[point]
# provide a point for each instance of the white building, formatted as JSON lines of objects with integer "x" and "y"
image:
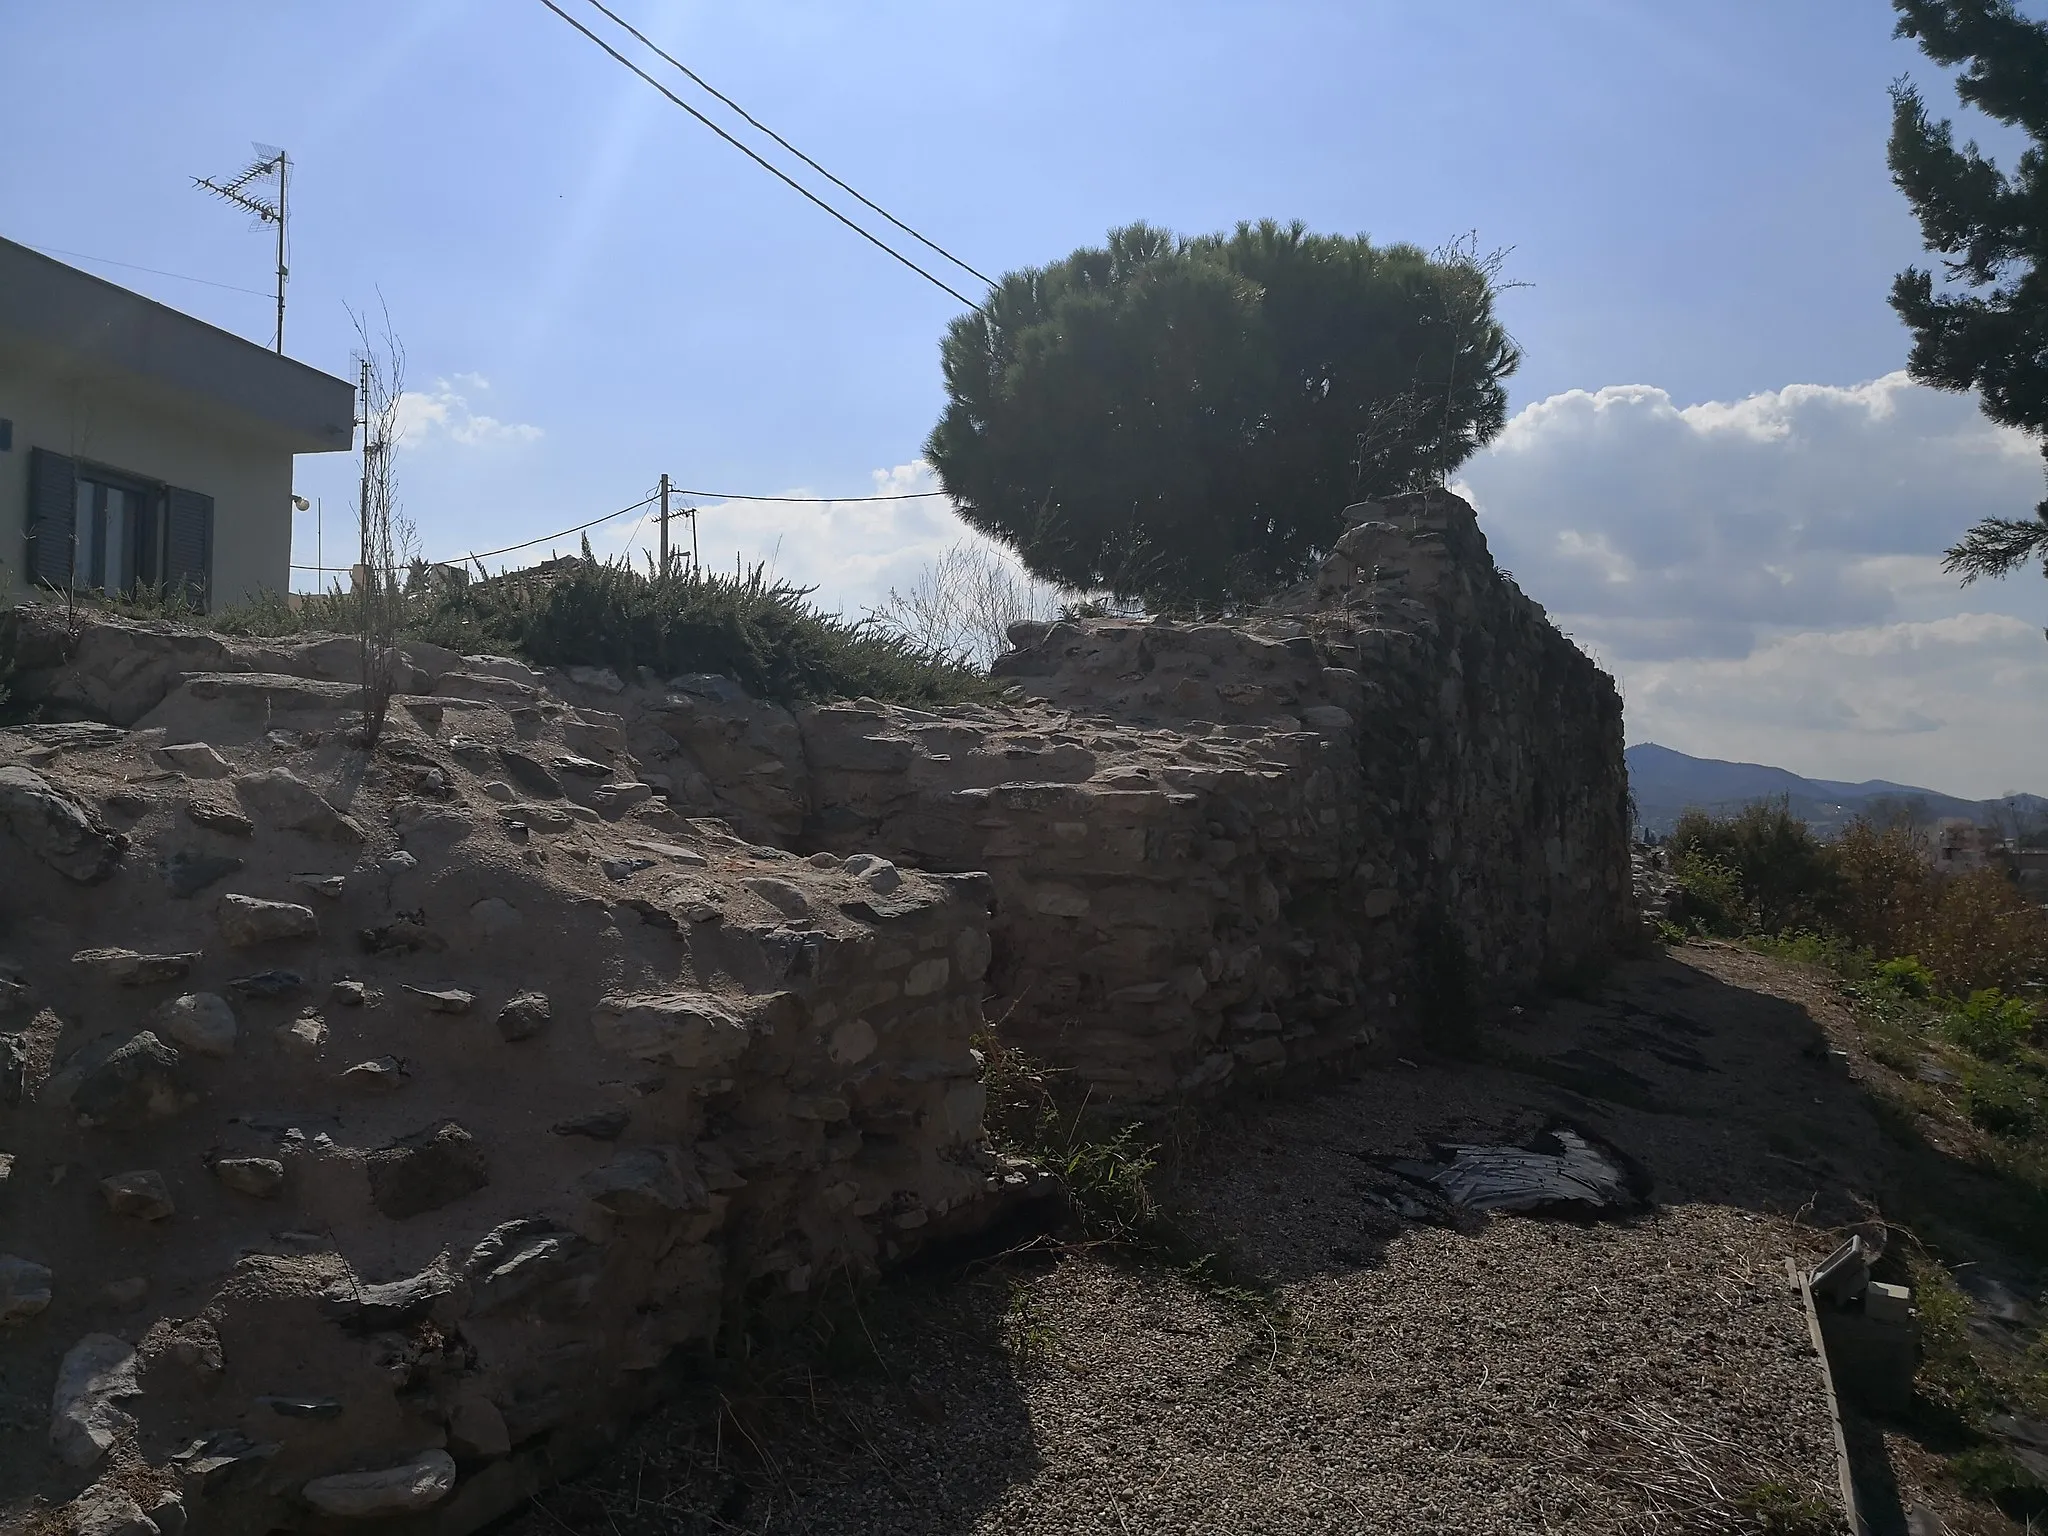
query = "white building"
{"x": 140, "y": 447}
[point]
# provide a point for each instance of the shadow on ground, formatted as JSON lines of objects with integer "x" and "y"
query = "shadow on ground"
{"x": 923, "y": 1408}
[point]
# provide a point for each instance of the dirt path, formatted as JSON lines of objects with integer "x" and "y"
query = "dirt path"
{"x": 1502, "y": 1375}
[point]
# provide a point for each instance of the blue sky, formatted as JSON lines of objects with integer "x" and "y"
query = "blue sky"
{"x": 592, "y": 289}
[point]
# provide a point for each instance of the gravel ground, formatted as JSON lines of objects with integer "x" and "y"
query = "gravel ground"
{"x": 1507, "y": 1375}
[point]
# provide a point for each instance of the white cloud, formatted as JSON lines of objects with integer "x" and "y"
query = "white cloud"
{"x": 1958, "y": 704}
{"x": 1763, "y": 575}
{"x": 443, "y": 412}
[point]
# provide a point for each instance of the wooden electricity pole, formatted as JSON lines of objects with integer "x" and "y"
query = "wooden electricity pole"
{"x": 664, "y": 524}
{"x": 361, "y": 582}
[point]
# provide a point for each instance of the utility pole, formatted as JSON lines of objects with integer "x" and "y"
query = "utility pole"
{"x": 283, "y": 175}
{"x": 363, "y": 420}
{"x": 269, "y": 161}
{"x": 664, "y": 524}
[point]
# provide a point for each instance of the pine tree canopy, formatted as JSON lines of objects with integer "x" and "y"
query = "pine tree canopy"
{"x": 1185, "y": 419}
{"x": 1987, "y": 329}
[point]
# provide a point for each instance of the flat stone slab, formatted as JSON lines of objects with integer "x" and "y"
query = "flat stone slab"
{"x": 397, "y": 1490}
{"x": 126, "y": 968}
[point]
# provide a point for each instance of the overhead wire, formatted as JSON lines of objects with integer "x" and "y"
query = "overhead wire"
{"x": 640, "y": 527}
{"x": 777, "y": 172}
{"x": 676, "y": 490}
{"x": 512, "y": 548}
{"x": 108, "y": 261}
{"x": 756, "y": 123}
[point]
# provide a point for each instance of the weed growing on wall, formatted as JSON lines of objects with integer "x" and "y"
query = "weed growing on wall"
{"x": 763, "y": 633}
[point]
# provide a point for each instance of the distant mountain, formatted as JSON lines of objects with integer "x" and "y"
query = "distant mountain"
{"x": 1668, "y": 783}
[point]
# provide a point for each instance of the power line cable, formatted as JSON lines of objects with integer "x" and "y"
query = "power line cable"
{"x": 108, "y": 261}
{"x": 772, "y": 170}
{"x": 509, "y": 548}
{"x": 815, "y": 501}
{"x": 676, "y": 490}
{"x": 639, "y": 528}
{"x": 755, "y": 122}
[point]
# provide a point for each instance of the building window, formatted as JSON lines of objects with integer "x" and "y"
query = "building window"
{"x": 94, "y": 528}
{"x": 118, "y": 529}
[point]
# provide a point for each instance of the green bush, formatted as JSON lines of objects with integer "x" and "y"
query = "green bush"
{"x": 268, "y": 616}
{"x": 1989, "y": 1025}
{"x": 1786, "y": 875}
{"x": 765, "y": 634}
{"x": 1715, "y": 901}
{"x": 1990, "y": 1473}
{"x": 2000, "y": 1100}
{"x": 1873, "y": 891}
{"x": 1823, "y": 949}
{"x": 1905, "y": 975}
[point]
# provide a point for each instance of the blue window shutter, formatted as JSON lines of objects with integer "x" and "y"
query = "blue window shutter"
{"x": 188, "y": 547}
{"x": 52, "y": 517}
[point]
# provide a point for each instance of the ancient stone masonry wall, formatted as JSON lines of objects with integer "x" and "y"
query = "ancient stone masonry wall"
{"x": 1222, "y": 849}
{"x": 373, "y": 1126}
{"x": 371, "y": 1129}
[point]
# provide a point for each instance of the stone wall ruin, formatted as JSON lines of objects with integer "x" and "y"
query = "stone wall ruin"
{"x": 373, "y": 1127}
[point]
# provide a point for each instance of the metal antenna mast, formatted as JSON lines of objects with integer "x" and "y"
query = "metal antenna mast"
{"x": 268, "y": 162}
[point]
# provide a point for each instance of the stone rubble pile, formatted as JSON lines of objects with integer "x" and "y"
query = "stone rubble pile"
{"x": 374, "y": 1126}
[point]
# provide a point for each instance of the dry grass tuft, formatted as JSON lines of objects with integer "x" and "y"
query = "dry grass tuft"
{"x": 1690, "y": 1481}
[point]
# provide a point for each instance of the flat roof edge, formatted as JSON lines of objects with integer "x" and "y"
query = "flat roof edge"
{"x": 102, "y": 323}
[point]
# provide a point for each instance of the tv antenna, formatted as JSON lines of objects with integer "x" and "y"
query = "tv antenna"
{"x": 249, "y": 190}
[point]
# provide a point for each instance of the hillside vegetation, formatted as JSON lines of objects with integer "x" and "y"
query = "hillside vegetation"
{"x": 764, "y": 633}
{"x": 1944, "y": 976}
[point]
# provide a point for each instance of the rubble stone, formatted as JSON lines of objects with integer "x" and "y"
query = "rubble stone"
{"x": 262, "y": 1177}
{"x": 381, "y": 1075}
{"x": 445, "y": 999}
{"x": 104, "y": 1510}
{"x": 187, "y": 871}
{"x": 202, "y": 1022}
{"x": 417, "y": 1485}
{"x": 426, "y": 1170}
{"x": 24, "y": 1288}
{"x": 217, "y": 816}
{"x": 524, "y": 1016}
{"x": 267, "y": 984}
{"x": 248, "y": 920}
{"x": 124, "y": 967}
{"x": 57, "y": 827}
{"x": 193, "y": 760}
{"x": 141, "y": 1194}
{"x": 692, "y": 1030}
{"x": 97, "y": 1372}
{"x": 284, "y": 800}
{"x": 138, "y": 1079}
